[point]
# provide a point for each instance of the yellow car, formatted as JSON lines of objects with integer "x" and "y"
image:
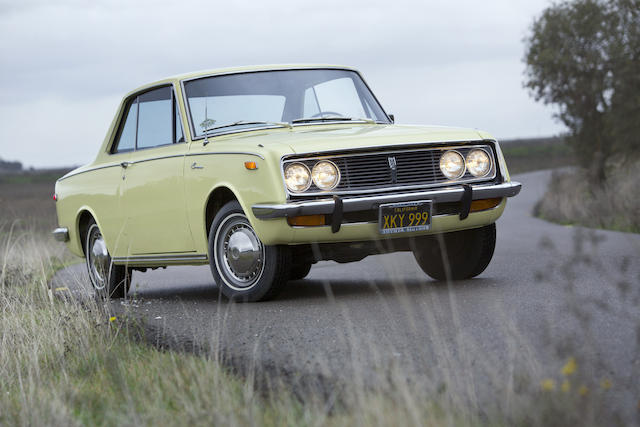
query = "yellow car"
{"x": 262, "y": 171}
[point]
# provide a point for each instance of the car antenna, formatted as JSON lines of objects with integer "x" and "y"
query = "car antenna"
{"x": 206, "y": 123}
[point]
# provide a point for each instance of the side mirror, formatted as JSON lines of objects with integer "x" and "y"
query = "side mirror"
{"x": 393, "y": 118}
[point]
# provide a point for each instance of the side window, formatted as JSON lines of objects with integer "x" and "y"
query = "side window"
{"x": 178, "y": 121}
{"x": 155, "y": 121}
{"x": 127, "y": 137}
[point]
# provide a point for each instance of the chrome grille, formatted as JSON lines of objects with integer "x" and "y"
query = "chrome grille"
{"x": 374, "y": 172}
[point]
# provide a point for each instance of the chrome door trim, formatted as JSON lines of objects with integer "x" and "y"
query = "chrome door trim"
{"x": 160, "y": 259}
{"x": 247, "y": 153}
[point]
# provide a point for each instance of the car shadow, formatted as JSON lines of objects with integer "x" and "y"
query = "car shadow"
{"x": 316, "y": 290}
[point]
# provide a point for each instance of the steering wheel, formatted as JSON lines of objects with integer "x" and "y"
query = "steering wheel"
{"x": 327, "y": 113}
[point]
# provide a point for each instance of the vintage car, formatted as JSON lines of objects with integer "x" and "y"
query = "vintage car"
{"x": 262, "y": 171}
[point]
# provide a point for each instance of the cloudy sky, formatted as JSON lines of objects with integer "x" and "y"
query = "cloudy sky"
{"x": 67, "y": 63}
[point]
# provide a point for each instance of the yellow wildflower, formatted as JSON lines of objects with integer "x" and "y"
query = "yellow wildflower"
{"x": 112, "y": 319}
{"x": 565, "y": 387}
{"x": 606, "y": 384}
{"x": 569, "y": 367}
{"x": 583, "y": 390}
{"x": 548, "y": 384}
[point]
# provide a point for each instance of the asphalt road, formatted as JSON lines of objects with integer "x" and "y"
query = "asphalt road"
{"x": 551, "y": 292}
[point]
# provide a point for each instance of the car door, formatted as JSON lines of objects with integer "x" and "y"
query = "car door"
{"x": 153, "y": 196}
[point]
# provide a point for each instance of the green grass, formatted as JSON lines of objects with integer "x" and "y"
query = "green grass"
{"x": 527, "y": 155}
{"x": 33, "y": 177}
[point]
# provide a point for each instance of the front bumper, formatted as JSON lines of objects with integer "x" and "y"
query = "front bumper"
{"x": 353, "y": 204}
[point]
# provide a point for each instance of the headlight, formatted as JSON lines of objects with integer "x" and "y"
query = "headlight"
{"x": 452, "y": 164}
{"x": 325, "y": 175}
{"x": 297, "y": 177}
{"x": 478, "y": 163}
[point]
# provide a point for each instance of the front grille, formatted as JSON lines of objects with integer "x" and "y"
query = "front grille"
{"x": 374, "y": 171}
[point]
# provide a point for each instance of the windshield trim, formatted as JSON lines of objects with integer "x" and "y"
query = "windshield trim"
{"x": 262, "y": 127}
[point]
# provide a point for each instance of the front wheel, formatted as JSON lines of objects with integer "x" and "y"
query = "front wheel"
{"x": 458, "y": 255}
{"x": 243, "y": 267}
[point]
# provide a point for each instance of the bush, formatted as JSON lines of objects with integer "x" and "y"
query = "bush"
{"x": 571, "y": 199}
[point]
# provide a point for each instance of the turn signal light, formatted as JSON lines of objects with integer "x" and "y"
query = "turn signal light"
{"x": 307, "y": 220}
{"x": 484, "y": 204}
{"x": 251, "y": 165}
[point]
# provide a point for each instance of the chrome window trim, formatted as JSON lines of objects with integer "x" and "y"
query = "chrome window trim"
{"x": 112, "y": 137}
{"x": 192, "y": 132}
{"x": 462, "y": 144}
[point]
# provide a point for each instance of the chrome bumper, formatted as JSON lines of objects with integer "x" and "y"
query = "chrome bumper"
{"x": 352, "y": 204}
{"x": 61, "y": 234}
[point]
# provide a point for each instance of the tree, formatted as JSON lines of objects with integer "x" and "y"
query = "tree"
{"x": 584, "y": 57}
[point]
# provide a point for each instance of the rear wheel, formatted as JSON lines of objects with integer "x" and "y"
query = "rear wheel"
{"x": 459, "y": 255}
{"x": 108, "y": 280}
{"x": 243, "y": 267}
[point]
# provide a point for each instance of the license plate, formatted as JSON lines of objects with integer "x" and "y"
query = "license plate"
{"x": 405, "y": 217}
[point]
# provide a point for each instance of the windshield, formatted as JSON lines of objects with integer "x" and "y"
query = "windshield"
{"x": 265, "y": 98}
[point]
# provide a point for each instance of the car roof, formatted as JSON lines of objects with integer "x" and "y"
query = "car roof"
{"x": 233, "y": 70}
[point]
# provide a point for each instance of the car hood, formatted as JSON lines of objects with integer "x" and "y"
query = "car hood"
{"x": 326, "y": 138}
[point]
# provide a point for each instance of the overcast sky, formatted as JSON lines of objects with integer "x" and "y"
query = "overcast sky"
{"x": 66, "y": 64}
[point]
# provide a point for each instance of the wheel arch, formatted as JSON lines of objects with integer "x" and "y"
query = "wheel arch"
{"x": 83, "y": 218}
{"x": 217, "y": 198}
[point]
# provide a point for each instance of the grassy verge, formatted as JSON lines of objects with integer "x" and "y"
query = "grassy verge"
{"x": 64, "y": 362}
{"x": 527, "y": 155}
{"x": 614, "y": 206}
{"x": 68, "y": 363}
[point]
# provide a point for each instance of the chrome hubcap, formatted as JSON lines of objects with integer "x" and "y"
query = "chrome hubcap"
{"x": 98, "y": 259}
{"x": 239, "y": 252}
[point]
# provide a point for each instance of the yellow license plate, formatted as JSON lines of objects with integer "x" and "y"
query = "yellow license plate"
{"x": 405, "y": 217}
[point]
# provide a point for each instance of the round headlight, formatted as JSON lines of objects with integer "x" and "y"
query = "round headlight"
{"x": 297, "y": 177}
{"x": 478, "y": 163}
{"x": 325, "y": 175}
{"x": 452, "y": 164}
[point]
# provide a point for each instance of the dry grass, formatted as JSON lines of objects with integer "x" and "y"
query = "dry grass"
{"x": 65, "y": 362}
{"x": 615, "y": 206}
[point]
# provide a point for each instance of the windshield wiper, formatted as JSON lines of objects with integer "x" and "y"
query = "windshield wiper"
{"x": 242, "y": 122}
{"x": 247, "y": 122}
{"x": 334, "y": 118}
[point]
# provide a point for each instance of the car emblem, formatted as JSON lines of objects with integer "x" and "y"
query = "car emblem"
{"x": 392, "y": 163}
{"x": 394, "y": 169}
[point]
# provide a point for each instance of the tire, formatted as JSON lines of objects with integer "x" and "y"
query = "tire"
{"x": 108, "y": 280}
{"x": 244, "y": 268}
{"x": 299, "y": 270}
{"x": 459, "y": 255}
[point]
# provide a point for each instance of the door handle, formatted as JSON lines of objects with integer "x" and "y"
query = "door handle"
{"x": 125, "y": 164}
{"x": 194, "y": 165}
